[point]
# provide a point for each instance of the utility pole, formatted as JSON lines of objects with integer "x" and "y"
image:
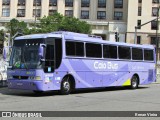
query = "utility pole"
{"x": 136, "y": 27}
{"x": 35, "y": 14}
{"x": 157, "y": 38}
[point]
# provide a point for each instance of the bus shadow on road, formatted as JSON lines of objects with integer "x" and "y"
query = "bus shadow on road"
{"x": 107, "y": 89}
{"x": 24, "y": 93}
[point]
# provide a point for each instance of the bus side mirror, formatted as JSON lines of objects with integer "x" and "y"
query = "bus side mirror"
{"x": 4, "y": 54}
{"x": 41, "y": 51}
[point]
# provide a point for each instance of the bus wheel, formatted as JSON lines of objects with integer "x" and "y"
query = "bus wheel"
{"x": 134, "y": 82}
{"x": 65, "y": 86}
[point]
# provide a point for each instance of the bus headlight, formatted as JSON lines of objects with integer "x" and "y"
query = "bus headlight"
{"x": 37, "y": 78}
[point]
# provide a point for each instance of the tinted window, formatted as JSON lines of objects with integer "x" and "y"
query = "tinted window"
{"x": 137, "y": 54}
{"x": 110, "y": 51}
{"x": 148, "y": 55}
{"x": 75, "y": 49}
{"x": 124, "y": 52}
{"x": 93, "y": 50}
{"x": 49, "y": 62}
{"x": 58, "y": 48}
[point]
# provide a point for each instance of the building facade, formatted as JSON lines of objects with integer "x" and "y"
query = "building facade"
{"x": 142, "y": 12}
{"x": 105, "y": 16}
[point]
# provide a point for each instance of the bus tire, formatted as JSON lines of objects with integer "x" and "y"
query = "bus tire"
{"x": 66, "y": 86}
{"x": 134, "y": 82}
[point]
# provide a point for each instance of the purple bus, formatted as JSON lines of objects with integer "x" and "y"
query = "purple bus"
{"x": 67, "y": 61}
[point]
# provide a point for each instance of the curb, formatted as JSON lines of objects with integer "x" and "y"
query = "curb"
{"x": 156, "y": 83}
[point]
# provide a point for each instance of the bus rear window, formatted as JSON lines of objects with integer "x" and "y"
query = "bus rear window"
{"x": 148, "y": 55}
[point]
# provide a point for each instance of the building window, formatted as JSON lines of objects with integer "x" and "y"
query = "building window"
{"x": 154, "y": 25}
{"x": 51, "y": 12}
{"x": 21, "y": 2}
{"x": 118, "y": 3}
{"x": 138, "y": 24}
{"x": 154, "y": 11}
{"x": 118, "y": 15}
{"x": 5, "y": 12}
{"x": 52, "y": 2}
{"x": 21, "y": 13}
{"x": 139, "y": 1}
{"x": 6, "y": 2}
{"x": 69, "y": 3}
{"x": 85, "y": 3}
{"x": 153, "y": 41}
{"x": 102, "y": 3}
{"x": 139, "y": 11}
{"x": 138, "y": 39}
{"x": 36, "y": 12}
{"x": 101, "y": 15}
{"x": 155, "y": 1}
{"x": 84, "y": 14}
{"x": 69, "y": 13}
{"x": 37, "y": 3}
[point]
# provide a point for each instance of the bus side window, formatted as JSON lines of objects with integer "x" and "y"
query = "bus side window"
{"x": 75, "y": 49}
{"x": 124, "y": 52}
{"x": 148, "y": 55}
{"x": 93, "y": 50}
{"x": 137, "y": 54}
{"x": 110, "y": 51}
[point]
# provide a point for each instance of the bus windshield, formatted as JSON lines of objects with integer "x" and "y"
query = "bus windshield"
{"x": 25, "y": 54}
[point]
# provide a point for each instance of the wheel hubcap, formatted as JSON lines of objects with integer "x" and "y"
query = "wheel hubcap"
{"x": 66, "y": 86}
{"x": 134, "y": 82}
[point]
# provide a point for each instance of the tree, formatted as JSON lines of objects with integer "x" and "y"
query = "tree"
{"x": 55, "y": 22}
{"x": 14, "y": 26}
{"x": 48, "y": 24}
{"x": 58, "y": 22}
{"x": 75, "y": 25}
{"x": 1, "y": 36}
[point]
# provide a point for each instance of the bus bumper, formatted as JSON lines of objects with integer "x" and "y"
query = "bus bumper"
{"x": 26, "y": 85}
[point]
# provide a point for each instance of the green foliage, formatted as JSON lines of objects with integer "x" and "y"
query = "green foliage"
{"x": 14, "y": 26}
{"x": 74, "y": 25}
{"x": 55, "y": 22}
{"x": 1, "y": 35}
{"x": 58, "y": 22}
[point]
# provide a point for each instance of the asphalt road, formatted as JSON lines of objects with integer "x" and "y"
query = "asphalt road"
{"x": 145, "y": 98}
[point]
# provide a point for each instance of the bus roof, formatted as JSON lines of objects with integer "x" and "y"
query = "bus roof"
{"x": 80, "y": 37}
